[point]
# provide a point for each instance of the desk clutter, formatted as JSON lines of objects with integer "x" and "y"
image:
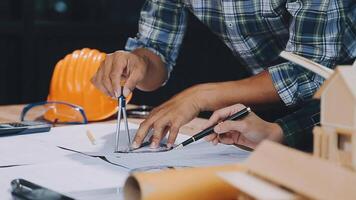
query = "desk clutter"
{"x": 79, "y": 159}
{"x": 272, "y": 171}
{"x": 82, "y": 161}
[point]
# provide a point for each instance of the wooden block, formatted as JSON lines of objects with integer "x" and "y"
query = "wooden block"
{"x": 302, "y": 173}
{"x": 317, "y": 131}
{"x": 324, "y": 145}
{"x": 345, "y": 159}
{"x": 332, "y": 146}
{"x": 255, "y": 187}
{"x": 353, "y": 150}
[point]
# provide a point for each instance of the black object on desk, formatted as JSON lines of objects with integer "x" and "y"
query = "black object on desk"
{"x": 239, "y": 115}
{"x": 141, "y": 111}
{"x": 23, "y": 189}
{"x": 25, "y": 127}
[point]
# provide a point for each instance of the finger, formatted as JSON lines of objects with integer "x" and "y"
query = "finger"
{"x": 215, "y": 141}
{"x": 223, "y": 113}
{"x": 96, "y": 80}
{"x": 211, "y": 137}
{"x": 229, "y": 138}
{"x": 228, "y": 111}
{"x": 158, "y": 128}
{"x": 119, "y": 64}
{"x": 142, "y": 131}
{"x": 245, "y": 142}
{"x": 173, "y": 133}
{"x": 134, "y": 78}
{"x": 105, "y": 78}
{"x": 236, "y": 108}
{"x": 215, "y": 118}
{"x": 146, "y": 125}
{"x": 227, "y": 126}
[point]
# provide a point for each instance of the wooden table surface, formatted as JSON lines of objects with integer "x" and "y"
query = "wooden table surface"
{"x": 11, "y": 113}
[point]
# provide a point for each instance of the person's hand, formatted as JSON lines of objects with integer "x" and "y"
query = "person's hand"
{"x": 169, "y": 117}
{"x": 249, "y": 131}
{"x": 119, "y": 67}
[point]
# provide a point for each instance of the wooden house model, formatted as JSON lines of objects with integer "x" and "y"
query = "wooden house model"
{"x": 335, "y": 139}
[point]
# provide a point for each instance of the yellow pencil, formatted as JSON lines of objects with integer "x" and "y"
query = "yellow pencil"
{"x": 91, "y": 137}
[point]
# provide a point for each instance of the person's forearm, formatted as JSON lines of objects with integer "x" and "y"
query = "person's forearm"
{"x": 255, "y": 90}
{"x": 156, "y": 73}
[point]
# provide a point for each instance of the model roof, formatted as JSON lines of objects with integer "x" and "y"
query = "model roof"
{"x": 348, "y": 75}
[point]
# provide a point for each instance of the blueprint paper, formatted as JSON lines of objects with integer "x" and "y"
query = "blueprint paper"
{"x": 199, "y": 153}
{"x": 194, "y": 155}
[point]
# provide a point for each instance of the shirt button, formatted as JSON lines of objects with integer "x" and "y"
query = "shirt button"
{"x": 229, "y": 25}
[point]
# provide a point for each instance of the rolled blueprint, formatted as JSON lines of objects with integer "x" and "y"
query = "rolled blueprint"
{"x": 178, "y": 184}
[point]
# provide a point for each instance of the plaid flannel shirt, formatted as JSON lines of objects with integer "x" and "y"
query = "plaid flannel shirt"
{"x": 256, "y": 31}
{"x": 297, "y": 127}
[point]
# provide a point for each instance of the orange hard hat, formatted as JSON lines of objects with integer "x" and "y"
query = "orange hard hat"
{"x": 71, "y": 84}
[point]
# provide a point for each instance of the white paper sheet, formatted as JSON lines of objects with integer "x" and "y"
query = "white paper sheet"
{"x": 21, "y": 150}
{"x": 199, "y": 153}
{"x": 81, "y": 176}
{"x": 75, "y": 138}
{"x": 194, "y": 155}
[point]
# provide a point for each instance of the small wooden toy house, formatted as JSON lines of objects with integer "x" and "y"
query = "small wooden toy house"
{"x": 338, "y": 99}
{"x": 335, "y": 140}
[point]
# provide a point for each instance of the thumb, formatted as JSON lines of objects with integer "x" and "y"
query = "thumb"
{"x": 229, "y": 138}
{"x": 131, "y": 82}
{"x": 228, "y": 126}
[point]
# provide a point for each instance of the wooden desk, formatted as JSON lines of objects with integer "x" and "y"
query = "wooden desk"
{"x": 12, "y": 113}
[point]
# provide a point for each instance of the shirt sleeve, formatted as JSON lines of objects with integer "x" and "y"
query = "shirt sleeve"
{"x": 298, "y": 126}
{"x": 316, "y": 32}
{"x": 161, "y": 29}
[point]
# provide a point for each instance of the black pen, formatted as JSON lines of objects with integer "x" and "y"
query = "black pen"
{"x": 24, "y": 189}
{"x": 239, "y": 115}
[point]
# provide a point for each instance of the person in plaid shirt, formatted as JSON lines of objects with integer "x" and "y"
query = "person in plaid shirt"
{"x": 256, "y": 31}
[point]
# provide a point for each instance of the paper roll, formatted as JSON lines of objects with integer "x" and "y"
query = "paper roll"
{"x": 187, "y": 184}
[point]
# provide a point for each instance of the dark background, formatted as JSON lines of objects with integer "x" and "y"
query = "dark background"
{"x": 35, "y": 34}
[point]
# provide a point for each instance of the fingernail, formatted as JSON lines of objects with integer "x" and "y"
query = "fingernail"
{"x": 169, "y": 145}
{"x": 126, "y": 92}
{"x": 153, "y": 145}
{"x": 134, "y": 145}
{"x": 116, "y": 94}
